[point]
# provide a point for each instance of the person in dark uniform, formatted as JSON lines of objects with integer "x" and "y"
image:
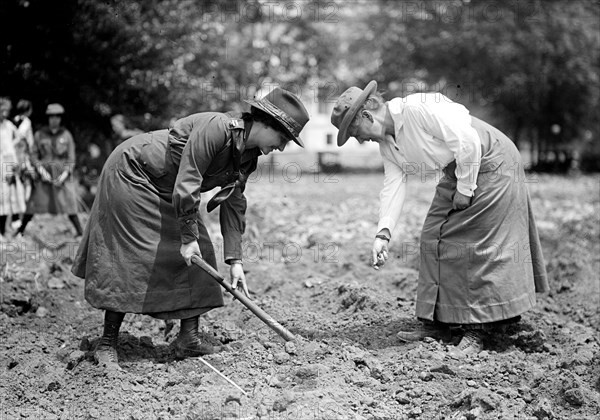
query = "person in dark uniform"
{"x": 144, "y": 226}
{"x": 53, "y": 157}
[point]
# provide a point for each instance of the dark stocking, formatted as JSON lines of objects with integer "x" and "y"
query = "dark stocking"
{"x": 26, "y": 219}
{"x": 75, "y": 220}
{"x": 112, "y": 324}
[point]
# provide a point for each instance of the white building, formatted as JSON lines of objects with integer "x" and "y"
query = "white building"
{"x": 320, "y": 141}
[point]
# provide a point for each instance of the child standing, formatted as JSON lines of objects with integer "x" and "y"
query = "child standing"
{"x": 12, "y": 198}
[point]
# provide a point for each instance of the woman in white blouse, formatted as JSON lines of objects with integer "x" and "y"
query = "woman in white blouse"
{"x": 481, "y": 259}
{"x": 24, "y": 146}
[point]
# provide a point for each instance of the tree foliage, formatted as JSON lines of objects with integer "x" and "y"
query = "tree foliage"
{"x": 153, "y": 60}
{"x": 529, "y": 66}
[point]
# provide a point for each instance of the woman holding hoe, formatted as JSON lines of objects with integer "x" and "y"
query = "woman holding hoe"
{"x": 144, "y": 226}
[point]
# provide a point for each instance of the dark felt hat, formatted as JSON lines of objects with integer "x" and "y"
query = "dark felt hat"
{"x": 346, "y": 108}
{"x": 287, "y": 109}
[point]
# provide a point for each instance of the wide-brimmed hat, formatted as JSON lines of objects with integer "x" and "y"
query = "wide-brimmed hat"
{"x": 287, "y": 109}
{"x": 346, "y": 108}
{"x": 55, "y": 109}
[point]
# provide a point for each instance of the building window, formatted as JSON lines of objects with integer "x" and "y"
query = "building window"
{"x": 329, "y": 139}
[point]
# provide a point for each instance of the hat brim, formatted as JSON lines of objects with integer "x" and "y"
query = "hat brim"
{"x": 343, "y": 136}
{"x": 284, "y": 126}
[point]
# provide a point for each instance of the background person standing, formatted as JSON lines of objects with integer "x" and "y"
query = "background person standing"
{"x": 12, "y": 200}
{"x": 121, "y": 130}
{"x": 24, "y": 145}
{"x": 53, "y": 157}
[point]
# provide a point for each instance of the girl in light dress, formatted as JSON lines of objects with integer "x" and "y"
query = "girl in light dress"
{"x": 12, "y": 194}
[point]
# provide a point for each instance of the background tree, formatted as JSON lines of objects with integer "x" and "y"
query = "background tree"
{"x": 151, "y": 60}
{"x": 529, "y": 66}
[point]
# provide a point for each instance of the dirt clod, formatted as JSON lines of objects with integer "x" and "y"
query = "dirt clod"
{"x": 574, "y": 396}
{"x": 290, "y": 347}
{"x": 282, "y": 403}
{"x": 402, "y": 398}
{"x": 425, "y": 376}
{"x": 53, "y": 386}
{"x": 75, "y": 358}
{"x": 543, "y": 409}
{"x": 445, "y": 369}
{"x": 281, "y": 357}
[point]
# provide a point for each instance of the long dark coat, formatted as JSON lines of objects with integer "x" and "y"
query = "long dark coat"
{"x": 147, "y": 205}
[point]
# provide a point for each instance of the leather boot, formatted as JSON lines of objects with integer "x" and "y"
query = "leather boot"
{"x": 106, "y": 351}
{"x": 471, "y": 343}
{"x": 188, "y": 343}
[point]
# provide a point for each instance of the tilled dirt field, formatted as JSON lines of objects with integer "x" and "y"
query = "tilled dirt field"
{"x": 306, "y": 251}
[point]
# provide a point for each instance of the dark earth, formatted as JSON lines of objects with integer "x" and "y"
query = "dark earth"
{"x": 307, "y": 260}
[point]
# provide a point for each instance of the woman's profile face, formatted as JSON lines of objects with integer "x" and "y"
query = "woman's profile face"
{"x": 364, "y": 130}
{"x": 269, "y": 139}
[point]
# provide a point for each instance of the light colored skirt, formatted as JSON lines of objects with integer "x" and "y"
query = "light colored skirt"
{"x": 484, "y": 263}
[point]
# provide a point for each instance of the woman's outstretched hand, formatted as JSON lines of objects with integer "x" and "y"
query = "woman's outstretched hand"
{"x": 188, "y": 250}
{"x": 379, "y": 253}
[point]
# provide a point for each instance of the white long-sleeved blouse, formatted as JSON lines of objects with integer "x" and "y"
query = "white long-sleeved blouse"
{"x": 430, "y": 132}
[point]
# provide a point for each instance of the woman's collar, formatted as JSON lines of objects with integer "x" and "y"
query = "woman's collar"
{"x": 396, "y": 110}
